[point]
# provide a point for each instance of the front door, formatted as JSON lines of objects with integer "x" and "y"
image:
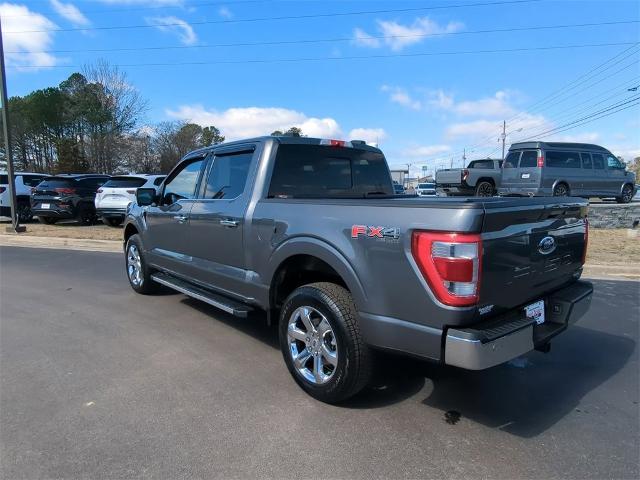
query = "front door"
{"x": 615, "y": 175}
{"x": 216, "y": 224}
{"x": 166, "y": 240}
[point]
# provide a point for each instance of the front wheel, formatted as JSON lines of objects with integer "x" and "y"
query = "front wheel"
{"x": 321, "y": 342}
{"x": 138, "y": 273}
{"x": 627, "y": 194}
{"x": 484, "y": 189}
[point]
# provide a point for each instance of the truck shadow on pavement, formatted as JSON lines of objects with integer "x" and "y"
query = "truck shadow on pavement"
{"x": 523, "y": 397}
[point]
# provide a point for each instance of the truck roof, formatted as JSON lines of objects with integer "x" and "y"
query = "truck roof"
{"x": 581, "y": 146}
{"x": 285, "y": 139}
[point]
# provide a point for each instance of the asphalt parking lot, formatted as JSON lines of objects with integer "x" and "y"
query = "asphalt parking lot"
{"x": 98, "y": 382}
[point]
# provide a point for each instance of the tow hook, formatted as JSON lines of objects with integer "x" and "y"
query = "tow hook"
{"x": 544, "y": 348}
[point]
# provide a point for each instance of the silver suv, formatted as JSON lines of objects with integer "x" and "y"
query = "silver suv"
{"x": 564, "y": 169}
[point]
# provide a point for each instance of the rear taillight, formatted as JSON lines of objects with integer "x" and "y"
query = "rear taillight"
{"x": 586, "y": 240}
{"x": 465, "y": 174}
{"x": 132, "y": 192}
{"x": 451, "y": 263}
{"x": 540, "y": 162}
{"x": 65, "y": 191}
{"x": 3, "y": 189}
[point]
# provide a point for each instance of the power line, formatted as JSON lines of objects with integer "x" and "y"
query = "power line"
{"x": 338, "y": 39}
{"x": 350, "y": 57}
{"x": 284, "y": 17}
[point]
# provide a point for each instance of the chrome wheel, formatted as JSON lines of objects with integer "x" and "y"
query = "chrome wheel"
{"x": 312, "y": 345}
{"x": 485, "y": 189}
{"x": 627, "y": 194}
{"x": 561, "y": 191}
{"x": 134, "y": 265}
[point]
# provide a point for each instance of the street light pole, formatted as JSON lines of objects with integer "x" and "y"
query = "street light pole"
{"x": 503, "y": 136}
{"x": 15, "y": 221}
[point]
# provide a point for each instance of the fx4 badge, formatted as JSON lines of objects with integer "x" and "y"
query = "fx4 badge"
{"x": 374, "y": 232}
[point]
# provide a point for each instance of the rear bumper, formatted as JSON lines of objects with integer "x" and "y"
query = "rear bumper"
{"x": 524, "y": 191}
{"x": 512, "y": 334}
{"x": 111, "y": 212}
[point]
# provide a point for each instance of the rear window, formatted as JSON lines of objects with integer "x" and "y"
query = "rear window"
{"x": 529, "y": 159}
{"x": 562, "y": 159}
{"x": 426, "y": 185}
{"x": 125, "y": 182}
{"x": 481, "y": 164}
{"x": 307, "y": 171}
{"x": 31, "y": 180}
{"x": 54, "y": 182}
{"x": 512, "y": 160}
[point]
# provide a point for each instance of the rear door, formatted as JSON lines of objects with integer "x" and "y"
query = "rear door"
{"x": 510, "y": 177}
{"x": 217, "y": 220}
{"x": 588, "y": 183}
{"x": 166, "y": 237}
{"x": 528, "y": 172}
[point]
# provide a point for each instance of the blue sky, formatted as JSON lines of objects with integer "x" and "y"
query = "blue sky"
{"x": 421, "y": 109}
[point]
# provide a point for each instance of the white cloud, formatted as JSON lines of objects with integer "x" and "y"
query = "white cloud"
{"x": 224, "y": 12}
{"x": 17, "y": 18}
{"x": 175, "y": 25}
{"x": 400, "y": 96}
{"x": 363, "y": 39}
{"x": 373, "y": 136}
{"x": 522, "y": 127}
{"x": 70, "y": 12}
{"x": 586, "y": 137}
{"x": 425, "y": 151}
{"x": 495, "y": 106}
{"x": 243, "y": 122}
{"x": 398, "y": 36}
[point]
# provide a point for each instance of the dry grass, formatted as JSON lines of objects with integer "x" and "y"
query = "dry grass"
{"x": 606, "y": 247}
{"x": 614, "y": 247}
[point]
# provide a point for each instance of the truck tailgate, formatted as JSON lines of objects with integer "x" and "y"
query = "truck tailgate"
{"x": 449, "y": 176}
{"x": 530, "y": 250}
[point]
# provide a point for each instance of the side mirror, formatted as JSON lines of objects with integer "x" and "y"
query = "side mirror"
{"x": 146, "y": 196}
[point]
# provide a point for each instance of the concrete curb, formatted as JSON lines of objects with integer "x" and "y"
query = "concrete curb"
{"x": 12, "y": 240}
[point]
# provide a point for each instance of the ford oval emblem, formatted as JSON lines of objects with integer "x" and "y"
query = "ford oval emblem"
{"x": 547, "y": 245}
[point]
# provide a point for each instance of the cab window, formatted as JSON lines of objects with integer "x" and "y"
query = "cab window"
{"x": 182, "y": 185}
{"x": 598, "y": 161}
{"x": 228, "y": 176}
{"x": 613, "y": 163}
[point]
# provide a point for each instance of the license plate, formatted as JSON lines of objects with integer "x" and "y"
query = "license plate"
{"x": 45, "y": 206}
{"x": 535, "y": 311}
{"x": 525, "y": 175}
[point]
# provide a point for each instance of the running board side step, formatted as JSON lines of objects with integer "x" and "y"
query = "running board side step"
{"x": 233, "y": 307}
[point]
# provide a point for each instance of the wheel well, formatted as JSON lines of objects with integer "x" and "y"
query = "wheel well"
{"x": 129, "y": 230}
{"x": 486, "y": 179}
{"x": 300, "y": 270}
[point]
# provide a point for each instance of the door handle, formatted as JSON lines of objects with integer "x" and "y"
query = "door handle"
{"x": 229, "y": 223}
{"x": 180, "y": 218}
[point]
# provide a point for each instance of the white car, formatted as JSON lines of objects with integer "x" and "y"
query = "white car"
{"x": 426, "y": 190}
{"x": 24, "y": 182}
{"x": 119, "y": 191}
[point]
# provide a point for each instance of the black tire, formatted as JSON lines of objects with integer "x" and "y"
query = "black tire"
{"x": 24, "y": 212}
{"x": 112, "y": 222}
{"x": 485, "y": 189}
{"x": 47, "y": 220}
{"x": 146, "y": 286}
{"x": 86, "y": 215}
{"x": 561, "y": 190}
{"x": 354, "y": 358}
{"x": 627, "y": 194}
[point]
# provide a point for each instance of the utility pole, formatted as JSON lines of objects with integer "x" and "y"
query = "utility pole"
{"x": 503, "y": 136}
{"x": 464, "y": 157}
{"x": 15, "y": 221}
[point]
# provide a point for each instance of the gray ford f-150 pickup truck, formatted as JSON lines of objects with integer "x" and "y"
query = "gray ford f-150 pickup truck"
{"x": 310, "y": 231}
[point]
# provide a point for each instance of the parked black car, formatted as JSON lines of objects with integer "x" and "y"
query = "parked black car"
{"x": 67, "y": 197}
